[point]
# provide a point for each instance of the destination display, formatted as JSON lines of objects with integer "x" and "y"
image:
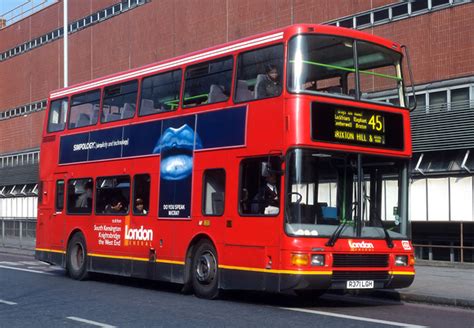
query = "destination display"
{"x": 355, "y": 126}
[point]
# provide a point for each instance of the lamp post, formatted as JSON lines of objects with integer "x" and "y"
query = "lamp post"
{"x": 65, "y": 44}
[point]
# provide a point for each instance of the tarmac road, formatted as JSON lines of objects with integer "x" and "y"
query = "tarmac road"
{"x": 36, "y": 294}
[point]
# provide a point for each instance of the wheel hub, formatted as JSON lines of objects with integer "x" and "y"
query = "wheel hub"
{"x": 77, "y": 256}
{"x": 206, "y": 268}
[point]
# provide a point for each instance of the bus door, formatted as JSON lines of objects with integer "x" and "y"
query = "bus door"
{"x": 55, "y": 214}
{"x": 252, "y": 234}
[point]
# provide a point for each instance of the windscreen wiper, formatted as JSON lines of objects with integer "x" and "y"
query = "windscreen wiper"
{"x": 336, "y": 234}
{"x": 388, "y": 239}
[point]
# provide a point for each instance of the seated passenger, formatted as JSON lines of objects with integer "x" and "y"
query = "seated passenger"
{"x": 115, "y": 206}
{"x": 267, "y": 201}
{"x": 139, "y": 206}
{"x": 268, "y": 85}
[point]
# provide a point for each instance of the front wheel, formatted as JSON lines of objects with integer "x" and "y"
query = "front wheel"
{"x": 205, "y": 275}
{"x": 76, "y": 262}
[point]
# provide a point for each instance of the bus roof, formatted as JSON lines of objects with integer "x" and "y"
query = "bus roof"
{"x": 219, "y": 50}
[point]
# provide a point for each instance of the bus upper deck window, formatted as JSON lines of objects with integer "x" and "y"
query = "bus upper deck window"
{"x": 84, "y": 109}
{"x": 160, "y": 93}
{"x": 259, "y": 74}
{"x": 208, "y": 82}
{"x": 57, "y": 115}
{"x": 119, "y": 101}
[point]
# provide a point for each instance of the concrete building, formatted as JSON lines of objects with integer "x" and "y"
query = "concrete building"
{"x": 107, "y": 36}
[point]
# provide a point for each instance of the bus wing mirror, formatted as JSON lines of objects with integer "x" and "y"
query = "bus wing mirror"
{"x": 407, "y": 55}
{"x": 265, "y": 169}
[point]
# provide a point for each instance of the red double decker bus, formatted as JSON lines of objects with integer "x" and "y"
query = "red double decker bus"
{"x": 268, "y": 163}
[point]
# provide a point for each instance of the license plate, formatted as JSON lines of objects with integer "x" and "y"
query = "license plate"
{"x": 360, "y": 284}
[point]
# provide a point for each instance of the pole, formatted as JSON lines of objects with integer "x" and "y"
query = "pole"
{"x": 462, "y": 242}
{"x": 65, "y": 44}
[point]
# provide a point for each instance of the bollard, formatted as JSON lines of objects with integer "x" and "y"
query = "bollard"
{"x": 21, "y": 232}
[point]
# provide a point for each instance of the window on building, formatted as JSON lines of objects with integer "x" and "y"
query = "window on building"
{"x": 79, "y": 196}
{"x": 59, "y": 195}
{"x": 84, "y": 109}
{"x": 208, "y": 82}
{"x": 460, "y": 98}
{"x": 119, "y": 101}
{"x": 57, "y": 115}
{"x": 260, "y": 186}
{"x": 420, "y": 102}
{"x": 213, "y": 196}
{"x": 253, "y": 68}
{"x": 438, "y": 101}
{"x": 419, "y": 5}
{"x": 436, "y": 3}
{"x": 141, "y": 194}
{"x": 400, "y": 10}
{"x": 348, "y": 23}
{"x": 160, "y": 93}
{"x": 363, "y": 20}
{"x": 113, "y": 195}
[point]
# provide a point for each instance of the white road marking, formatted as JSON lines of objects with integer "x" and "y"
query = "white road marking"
{"x": 7, "y": 302}
{"x": 90, "y": 322}
{"x": 20, "y": 269}
{"x": 32, "y": 262}
{"x": 344, "y": 316}
{"x": 10, "y": 263}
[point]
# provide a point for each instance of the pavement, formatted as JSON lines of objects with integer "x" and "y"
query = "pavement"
{"x": 437, "y": 283}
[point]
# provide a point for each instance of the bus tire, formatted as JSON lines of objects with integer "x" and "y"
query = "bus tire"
{"x": 76, "y": 261}
{"x": 205, "y": 273}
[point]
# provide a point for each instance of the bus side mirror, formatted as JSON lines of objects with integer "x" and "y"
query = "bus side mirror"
{"x": 265, "y": 169}
{"x": 410, "y": 108}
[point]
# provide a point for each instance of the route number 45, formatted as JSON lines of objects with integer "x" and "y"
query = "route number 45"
{"x": 376, "y": 122}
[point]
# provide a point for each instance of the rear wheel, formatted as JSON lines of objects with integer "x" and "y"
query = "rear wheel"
{"x": 76, "y": 263}
{"x": 205, "y": 275}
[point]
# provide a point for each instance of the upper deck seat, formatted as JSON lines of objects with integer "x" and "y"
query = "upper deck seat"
{"x": 243, "y": 93}
{"x": 216, "y": 94}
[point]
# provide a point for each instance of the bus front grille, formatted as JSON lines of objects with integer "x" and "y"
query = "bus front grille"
{"x": 360, "y": 260}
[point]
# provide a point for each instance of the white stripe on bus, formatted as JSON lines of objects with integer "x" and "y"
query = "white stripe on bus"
{"x": 164, "y": 66}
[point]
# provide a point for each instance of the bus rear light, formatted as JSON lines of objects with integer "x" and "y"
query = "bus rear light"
{"x": 299, "y": 259}
{"x": 401, "y": 260}
{"x": 317, "y": 260}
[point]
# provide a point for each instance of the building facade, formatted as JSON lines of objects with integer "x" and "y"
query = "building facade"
{"x": 107, "y": 36}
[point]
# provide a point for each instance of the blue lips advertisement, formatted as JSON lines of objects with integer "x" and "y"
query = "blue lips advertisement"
{"x": 175, "y": 140}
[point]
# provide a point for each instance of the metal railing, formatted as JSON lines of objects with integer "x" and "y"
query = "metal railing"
{"x": 456, "y": 253}
{"x": 18, "y": 232}
{"x": 27, "y": 8}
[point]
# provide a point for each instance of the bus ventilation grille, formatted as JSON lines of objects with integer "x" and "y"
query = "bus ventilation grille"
{"x": 360, "y": 275}
{"x": 360, "y": 260}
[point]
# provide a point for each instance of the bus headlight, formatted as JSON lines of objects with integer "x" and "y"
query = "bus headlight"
{"x": 317, "y": 260}
{"x": 401, "y": 260}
